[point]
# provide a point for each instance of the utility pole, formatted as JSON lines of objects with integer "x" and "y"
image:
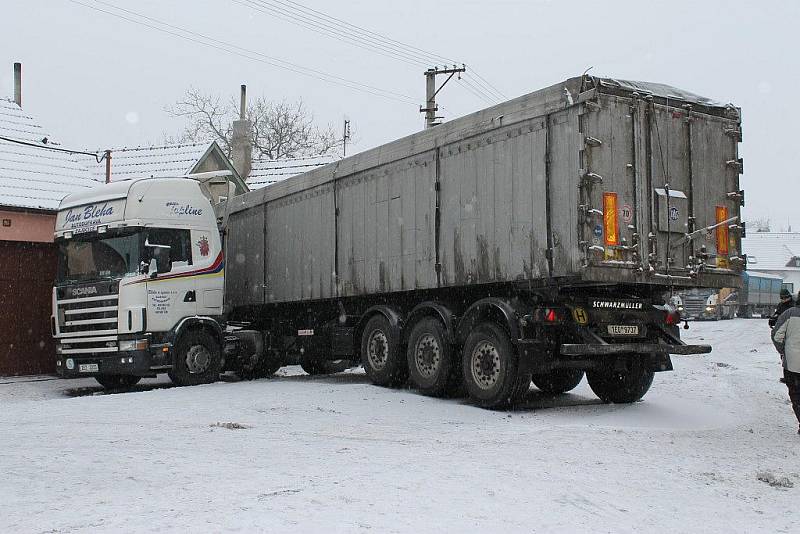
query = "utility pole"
{"x": 345, "y": 137}
{"x": 431, "y": 91}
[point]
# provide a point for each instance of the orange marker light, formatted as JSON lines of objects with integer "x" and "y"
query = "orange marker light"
{"x": 610, "y": 219}
{"x": 722, "y": 231}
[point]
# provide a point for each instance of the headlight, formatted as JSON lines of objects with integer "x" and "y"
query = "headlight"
{"x": 709, "y": 308}
{"x": 133, "y": 344}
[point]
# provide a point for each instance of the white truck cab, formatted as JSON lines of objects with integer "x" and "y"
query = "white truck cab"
{"x": 140, "y": 283}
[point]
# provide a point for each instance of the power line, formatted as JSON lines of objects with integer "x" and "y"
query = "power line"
{"x": 477, "y": 91}
{"x": 248, "y": 54}
{"x": 487, "y": 84}
{"x": 330, "y": 31}
{"x": 96, "y": 155}
{"x": 430, "y": 56}
{"x": 333, "y": 27}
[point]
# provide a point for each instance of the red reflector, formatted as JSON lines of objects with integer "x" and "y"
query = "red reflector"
{"x": 551, "y": 316}
{"x": 673, "y": 318}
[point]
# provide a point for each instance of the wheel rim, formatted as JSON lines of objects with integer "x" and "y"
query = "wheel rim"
{"x": 378, "y": 349}
{"x": 198, "y": 359}
{"x": 485, "y": 365}
{"x": 427, "y": 355}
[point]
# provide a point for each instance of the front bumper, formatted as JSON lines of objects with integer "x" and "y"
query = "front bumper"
{"x": 130, "y": 363}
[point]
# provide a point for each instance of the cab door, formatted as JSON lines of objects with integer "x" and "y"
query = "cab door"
{"x": 171, "y": 292}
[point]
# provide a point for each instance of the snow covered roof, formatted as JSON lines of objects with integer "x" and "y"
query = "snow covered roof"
{"x": 268, "y": 171}
{"x": 153, "y": 161}
{"x": 32, "y": 177}
{"x": 771, "y": 251}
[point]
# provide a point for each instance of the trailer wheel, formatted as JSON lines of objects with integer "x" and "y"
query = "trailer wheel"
{"x": 621, "y": 386}
{"x": 490, "y": 367}
{"x": 117, "y": 381}
{"x": 198, "y": 359}
{"x": 558, "y": 381}
{"x": 381, "y": 354}
{"x": 430, "y": 359}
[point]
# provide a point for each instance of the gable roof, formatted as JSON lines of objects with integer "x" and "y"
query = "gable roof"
{"x": 264, "y": 172}
{"x": 771, "y": 251}
{"x": 167, "y": 161}
{"x": 32, "y": 177}
{"x": 153, "y": 161}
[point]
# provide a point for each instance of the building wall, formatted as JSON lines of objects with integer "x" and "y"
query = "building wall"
{"x": 26, "y": 226}
{"x": 27, "y": 271}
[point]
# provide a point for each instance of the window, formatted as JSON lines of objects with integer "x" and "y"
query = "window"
{"x": 180, "y": 249}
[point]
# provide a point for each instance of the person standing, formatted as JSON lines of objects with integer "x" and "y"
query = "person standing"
{"x": 786, "y": 303}
{"x": 786, "y": 337}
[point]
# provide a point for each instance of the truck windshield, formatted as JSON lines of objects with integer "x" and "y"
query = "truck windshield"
{"x": 94, "y": 256}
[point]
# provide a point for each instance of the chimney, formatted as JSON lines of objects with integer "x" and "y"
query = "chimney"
{"x": 18, "y": 83}
{"x": 241, "y": 149}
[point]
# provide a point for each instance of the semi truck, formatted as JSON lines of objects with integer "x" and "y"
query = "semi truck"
{"x": 760, "y": 294}
{"x": 530, "y": 242}
{"x": 708, "y": 304}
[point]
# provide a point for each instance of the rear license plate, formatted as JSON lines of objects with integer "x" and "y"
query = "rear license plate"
{"x": 623, "y": 330}
{"x": 88, "y": 368}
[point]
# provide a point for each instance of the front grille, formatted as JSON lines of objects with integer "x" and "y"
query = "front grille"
{"x": 87, "y": 325}
{"x": 694, "y": 306}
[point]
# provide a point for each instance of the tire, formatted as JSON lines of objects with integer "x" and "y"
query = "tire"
{"x": 490, "y": 367}
{"x": 266, "y": 366}
{"x": 381, "y": 354}
{"x": 198, "y": 359}
{"x": 621, "y": 387}
{"x": 430, "y": 359}
{"x": 558, "y": 381}
{"x": 117, "y": 381}
{"x": 325, "y": 367}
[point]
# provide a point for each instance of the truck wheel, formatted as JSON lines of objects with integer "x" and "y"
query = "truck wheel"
{"x": 558, "y": 381}
{"x": 325, "y": 367}
{"x": 198, "y": 359}
{"x": 381, "y": 355}
{"x": 117, "y": 381}
{"x": 265, "y": 366}
{"x": 624, "y": 386}
{"x": 430, "y": 359}
{"x": 491, "y": 368}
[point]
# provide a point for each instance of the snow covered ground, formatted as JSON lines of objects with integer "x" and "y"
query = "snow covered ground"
{"x": 336, "y": 454}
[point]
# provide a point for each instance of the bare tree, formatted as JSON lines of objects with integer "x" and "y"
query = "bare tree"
{"x": 761, "y": 224}
{"x": 280, "y": 129}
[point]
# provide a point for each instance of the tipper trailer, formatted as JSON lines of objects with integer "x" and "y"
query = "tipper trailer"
{"x": 534, "y": 240}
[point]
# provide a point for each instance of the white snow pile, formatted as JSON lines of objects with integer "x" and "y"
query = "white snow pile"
{"x": 713, "y": 447}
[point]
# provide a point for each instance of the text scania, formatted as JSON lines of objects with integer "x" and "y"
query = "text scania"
{"x": 82, "y": 291}
{"x": 617, "y": 305}
{"x": 89, "y": 212}
{"x": 187, "y": 209}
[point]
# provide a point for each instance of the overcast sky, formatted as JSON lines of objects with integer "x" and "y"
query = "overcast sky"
{"x": 98, "y": 81}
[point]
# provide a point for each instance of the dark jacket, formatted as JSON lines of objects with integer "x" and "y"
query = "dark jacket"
{"x": 782, "y": 307}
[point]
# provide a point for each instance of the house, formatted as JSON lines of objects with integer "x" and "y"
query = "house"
{"x": 33, "y": 180}
{"x": 173, "y": 160}
{"x": 775, "y": 253}
{"x": 265, "y": 172}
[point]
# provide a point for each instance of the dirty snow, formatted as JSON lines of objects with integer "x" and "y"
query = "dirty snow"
{"x": 713, "y": 447}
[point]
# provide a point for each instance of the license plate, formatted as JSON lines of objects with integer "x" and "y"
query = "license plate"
{"x": 623, "y": 330}
{"x": 88, "y": 368}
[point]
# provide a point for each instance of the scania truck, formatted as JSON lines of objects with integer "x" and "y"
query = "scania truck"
{"x": 536, "y": 241}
